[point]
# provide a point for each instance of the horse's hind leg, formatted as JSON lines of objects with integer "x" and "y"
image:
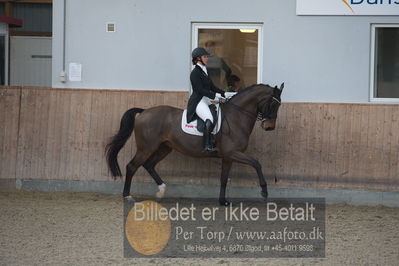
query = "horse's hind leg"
{"x": 131, "y": 168}
{"x": 150, "y": 164}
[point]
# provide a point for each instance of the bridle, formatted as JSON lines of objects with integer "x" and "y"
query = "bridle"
{"x": 261, "y": 115}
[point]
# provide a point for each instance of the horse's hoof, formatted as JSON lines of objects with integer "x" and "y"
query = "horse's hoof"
{"x": 224, "y": 202}
{"x": 159, "y": 195}
{"x": 264, "y": 194}
{"x": 128, "y": 198}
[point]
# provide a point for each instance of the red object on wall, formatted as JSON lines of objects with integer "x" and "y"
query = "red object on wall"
{"x": 12, "y": 22}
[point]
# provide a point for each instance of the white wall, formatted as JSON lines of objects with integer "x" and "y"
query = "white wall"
{"x": 320, "y": 58}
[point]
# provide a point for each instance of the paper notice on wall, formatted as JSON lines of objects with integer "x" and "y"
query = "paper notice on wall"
{"x": 75, "y": 72}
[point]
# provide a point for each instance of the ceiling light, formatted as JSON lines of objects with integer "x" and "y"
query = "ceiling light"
{"x": 247, "y": 30}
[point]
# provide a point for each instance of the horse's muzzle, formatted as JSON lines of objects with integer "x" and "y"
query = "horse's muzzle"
{"x": 268, "y": 125}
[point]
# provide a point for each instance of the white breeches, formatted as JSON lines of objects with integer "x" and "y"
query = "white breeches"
{"x": 202, "y": 109}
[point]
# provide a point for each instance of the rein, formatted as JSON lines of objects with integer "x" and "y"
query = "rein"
{"x": 242, "y": 110}
{"x": 259, "y": 116}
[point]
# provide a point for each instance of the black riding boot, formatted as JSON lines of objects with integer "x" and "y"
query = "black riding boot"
{"x": 208, "y": 147}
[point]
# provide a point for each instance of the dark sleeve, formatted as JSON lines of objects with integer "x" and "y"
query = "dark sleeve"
{"x": 216, "y": 89}
{"x": 198, "y": 85}
{"x": 226, "y": 69}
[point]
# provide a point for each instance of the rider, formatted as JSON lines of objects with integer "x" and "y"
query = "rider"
{"x": 203, "y": 91}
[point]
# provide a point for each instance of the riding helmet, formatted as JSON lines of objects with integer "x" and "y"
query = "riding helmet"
{"x": 198, "y": 52}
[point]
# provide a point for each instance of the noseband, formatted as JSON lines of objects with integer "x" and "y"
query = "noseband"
{"x": 261, "y": 116}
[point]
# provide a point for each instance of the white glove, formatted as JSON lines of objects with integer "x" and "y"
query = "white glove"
{"x": 219, "y": 96}
{"x": 230, "y": 94}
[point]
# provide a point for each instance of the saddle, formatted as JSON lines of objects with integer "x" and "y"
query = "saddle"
{"x": 197, "y": 126}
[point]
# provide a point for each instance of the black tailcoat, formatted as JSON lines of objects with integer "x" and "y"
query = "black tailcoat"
{"x": 202, "y": 86}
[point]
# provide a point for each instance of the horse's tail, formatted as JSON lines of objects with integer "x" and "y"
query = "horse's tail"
{"x": 118, "y": 141}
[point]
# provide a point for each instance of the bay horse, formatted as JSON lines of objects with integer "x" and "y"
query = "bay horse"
{"x": 158, "y": 132}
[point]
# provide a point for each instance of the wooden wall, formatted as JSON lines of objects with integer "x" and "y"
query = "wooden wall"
{"x": 9, "y": 125}
{"x": 61, "y": 133}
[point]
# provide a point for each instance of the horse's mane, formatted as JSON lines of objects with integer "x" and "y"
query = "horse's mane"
{"x": 244, "y": 90}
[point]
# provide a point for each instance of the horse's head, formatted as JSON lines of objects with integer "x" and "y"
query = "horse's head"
{"x": 268, "y": 109}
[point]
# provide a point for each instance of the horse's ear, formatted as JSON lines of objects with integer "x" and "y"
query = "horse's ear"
{"x": 282, "y": 86}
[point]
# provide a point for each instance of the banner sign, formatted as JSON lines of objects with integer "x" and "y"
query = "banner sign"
{"x": 348, "y": 7}
{"x": 247, "y": 228}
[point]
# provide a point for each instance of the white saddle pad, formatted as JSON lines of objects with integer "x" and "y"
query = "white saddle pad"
{"x": 191, "y": 128}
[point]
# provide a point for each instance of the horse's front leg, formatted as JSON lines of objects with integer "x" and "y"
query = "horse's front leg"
{"x": 226, "y": 166}
{"x": 246, "y": 159}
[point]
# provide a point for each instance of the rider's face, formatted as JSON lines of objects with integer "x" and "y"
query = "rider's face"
{"x": 204, "y": 59}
